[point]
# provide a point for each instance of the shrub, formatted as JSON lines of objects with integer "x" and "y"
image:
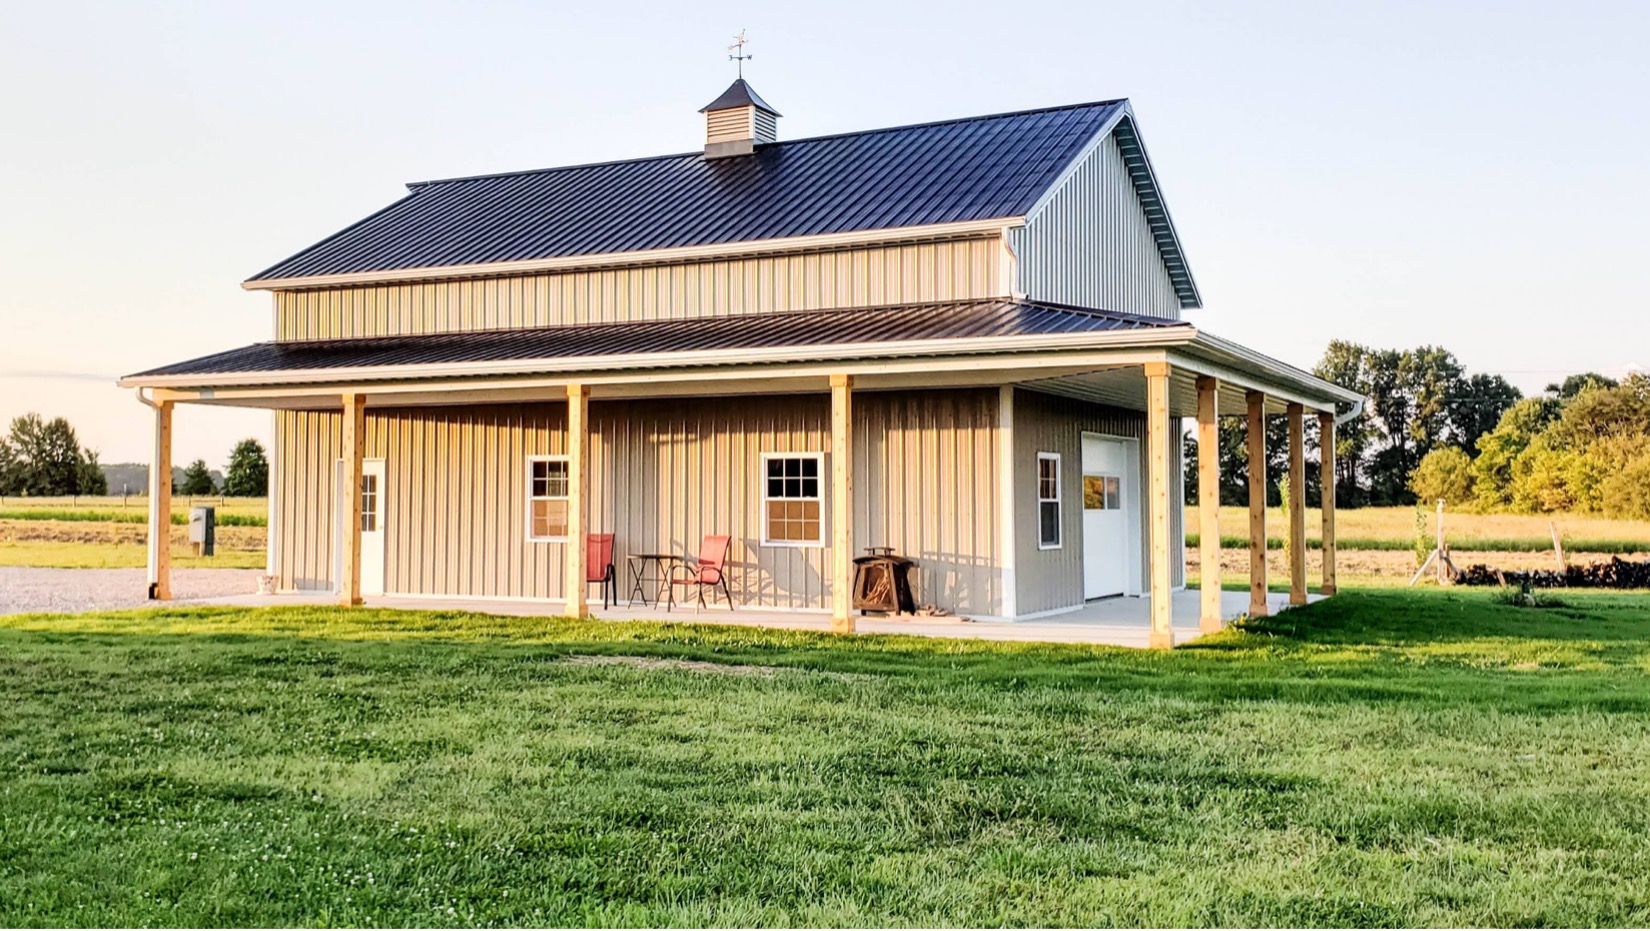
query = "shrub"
{"x": 1443, "y": 473}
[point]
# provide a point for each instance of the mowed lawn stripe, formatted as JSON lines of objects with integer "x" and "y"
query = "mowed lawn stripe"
{"x": 1381, "y": 758}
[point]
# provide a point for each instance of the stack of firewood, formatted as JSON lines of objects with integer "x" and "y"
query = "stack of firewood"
{"x": 1617, "y": 573}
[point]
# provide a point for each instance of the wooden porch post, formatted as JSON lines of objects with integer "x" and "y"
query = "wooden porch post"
{"x": 1297, "y": 504}
{"x": 355, "y": 449}
{"x": 1326, "y": 449}
{"x": 1208, "y": 501}
{"x": 1157, "y": 443}
{"x": 1257, "y": 503}
{"x": 842, "y": 503}
{"x": 578, "y": 504}
{"x": 160, "y": 506}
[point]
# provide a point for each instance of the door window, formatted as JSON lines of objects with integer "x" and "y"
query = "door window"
{"x": 1102, "y": 493}
{"x": 369, "y": 503}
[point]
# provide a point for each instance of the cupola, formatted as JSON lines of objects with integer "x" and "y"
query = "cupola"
{"x": 738, "y": 121}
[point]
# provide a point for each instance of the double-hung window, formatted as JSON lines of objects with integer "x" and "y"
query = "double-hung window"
{"x": 1048, "y": 501}
{"x": 791, "y": 499}
{"x": 547, "y": 498}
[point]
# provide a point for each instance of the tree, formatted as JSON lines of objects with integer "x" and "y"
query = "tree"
{"x": 92, "y": 481}
{"x": 1445, "y": 473}
{"x": 1575, "y": 384}
{"x": 43, "y": 458}
{"x": 247, "y": 475}
{"x": 1478, "y": 409}
{"x": 197, "y": 479}
{"x": 1498, "y": 449}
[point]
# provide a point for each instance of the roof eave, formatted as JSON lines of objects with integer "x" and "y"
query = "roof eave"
{"x": 1240, "y": 357}
{"x": 1161, "y": 336}
{"x": 752, "y": 247}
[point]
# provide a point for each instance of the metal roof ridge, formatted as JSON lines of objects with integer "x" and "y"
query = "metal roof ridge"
{"x": 415, "y": 185}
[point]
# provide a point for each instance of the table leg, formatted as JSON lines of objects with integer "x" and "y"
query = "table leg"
{"x": 636, "y": 584}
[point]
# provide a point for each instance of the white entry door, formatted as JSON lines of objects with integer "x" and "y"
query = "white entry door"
{"x": 372, "y": 527}
{"x": 372, "y": 524}
{"x": 1107, "y": 500}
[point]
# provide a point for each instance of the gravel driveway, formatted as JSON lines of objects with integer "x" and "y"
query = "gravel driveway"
{"x": 24, "y": 590}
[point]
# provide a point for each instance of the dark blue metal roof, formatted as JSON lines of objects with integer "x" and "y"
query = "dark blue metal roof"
{"x": 979, "y": 168}
{"x": 940, "y": 322}
{"x": 739, "y": 94}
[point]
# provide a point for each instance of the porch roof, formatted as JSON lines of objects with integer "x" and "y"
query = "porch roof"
{"x": 906, "y": 323}
{"x": 1063, "y": 349}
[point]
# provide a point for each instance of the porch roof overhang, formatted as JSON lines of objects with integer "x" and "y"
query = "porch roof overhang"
{"x": 1050, "y": 347}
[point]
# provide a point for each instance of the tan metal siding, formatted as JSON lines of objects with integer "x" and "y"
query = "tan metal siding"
{"x": 1052, "y": 579}
{"x": 925, "y": 483}
{"x": 847, "y": 278}
{"x": 664, "y": 473}
{"x": 308, "y": 444}
{"x": 1092, "y": 244}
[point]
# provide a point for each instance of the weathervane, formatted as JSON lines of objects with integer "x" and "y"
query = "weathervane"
{"x": 738, "y": 48}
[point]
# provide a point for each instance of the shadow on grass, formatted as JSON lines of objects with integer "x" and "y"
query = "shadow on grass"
{"x": 1377, "y": 645}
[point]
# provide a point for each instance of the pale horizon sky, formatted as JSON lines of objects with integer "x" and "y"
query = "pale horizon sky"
{"x": 1472, "y": 175}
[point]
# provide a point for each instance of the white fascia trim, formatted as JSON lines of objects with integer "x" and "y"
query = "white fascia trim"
{"x": 1313, "y": 391}
{"x": 1125, "y": 111}
{"x": 752, "y": 247}
{"x": 1108, "y": 339}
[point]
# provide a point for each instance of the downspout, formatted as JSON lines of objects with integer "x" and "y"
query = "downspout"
{"x": 1357, "y": 408}
{"x": 159, "y": 533}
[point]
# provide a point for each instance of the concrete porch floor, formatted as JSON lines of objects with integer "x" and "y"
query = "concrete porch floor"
{"x": 1113, "y": 621}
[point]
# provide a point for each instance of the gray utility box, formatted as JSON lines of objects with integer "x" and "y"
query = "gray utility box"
{"x": 203, "y": 529}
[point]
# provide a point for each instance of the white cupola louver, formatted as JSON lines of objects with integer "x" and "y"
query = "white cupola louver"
{"x": 738, "y": 121}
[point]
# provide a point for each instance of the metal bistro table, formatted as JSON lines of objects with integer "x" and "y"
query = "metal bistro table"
{"x": 659, "y": 578}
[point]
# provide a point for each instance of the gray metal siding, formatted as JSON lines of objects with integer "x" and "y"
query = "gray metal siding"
{"x": 1049, "y": 580}
{"x": 1093, "y": 244}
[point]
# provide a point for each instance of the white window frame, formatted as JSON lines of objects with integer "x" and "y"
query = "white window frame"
{"x": 762, "y": 480}
{"x": 531, "y": 461}
{"x": 1059, "y": 505}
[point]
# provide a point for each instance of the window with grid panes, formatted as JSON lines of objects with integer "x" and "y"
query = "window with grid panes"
{"x": 1048, "y": 500}
{"x": 547, "y": 498}
{"x": 792, "y": 500}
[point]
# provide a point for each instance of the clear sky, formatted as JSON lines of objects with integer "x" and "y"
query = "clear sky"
{"x": 1475, "y": 175}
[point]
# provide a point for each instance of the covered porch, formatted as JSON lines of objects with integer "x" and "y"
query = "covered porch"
{"x": 1161, "y": 370}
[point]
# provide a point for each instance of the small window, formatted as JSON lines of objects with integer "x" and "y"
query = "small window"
{"x": 791, "y": 499}
{"x": 1102, "y": 493}
{"x": 369, "y": 503}
{"x": 1048, "y": 501}
{"x": 547, "y": 498}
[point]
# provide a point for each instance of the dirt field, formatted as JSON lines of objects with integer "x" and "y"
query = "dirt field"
{"x": 1355, "y": 567}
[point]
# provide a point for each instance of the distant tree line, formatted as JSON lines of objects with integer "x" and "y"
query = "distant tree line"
{"x": 1429, "y": 427}
{"x": 1582, "y": 446}
{"x": 41, "y": 458}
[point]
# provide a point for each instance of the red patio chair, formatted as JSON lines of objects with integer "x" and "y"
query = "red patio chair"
{"x": 598, "y": 565}
{"x": 709, "y": 569}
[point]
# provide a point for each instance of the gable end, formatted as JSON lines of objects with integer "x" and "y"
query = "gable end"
{"x": 1102, "y": 236}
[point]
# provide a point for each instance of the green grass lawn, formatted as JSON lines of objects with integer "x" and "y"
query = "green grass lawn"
{"x": 1383, "y": 758}
{"x": 66, "y": 555}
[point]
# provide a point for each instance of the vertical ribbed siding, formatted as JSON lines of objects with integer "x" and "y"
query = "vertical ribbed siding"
{"x": 305, "y": 481}
{"x": 664, "y": 473}
{"x": 1092, "y": 244}
{"x": 911, "y": 273}
{"x": 925, "y": 483}
{"x": 1053, "y": 579}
